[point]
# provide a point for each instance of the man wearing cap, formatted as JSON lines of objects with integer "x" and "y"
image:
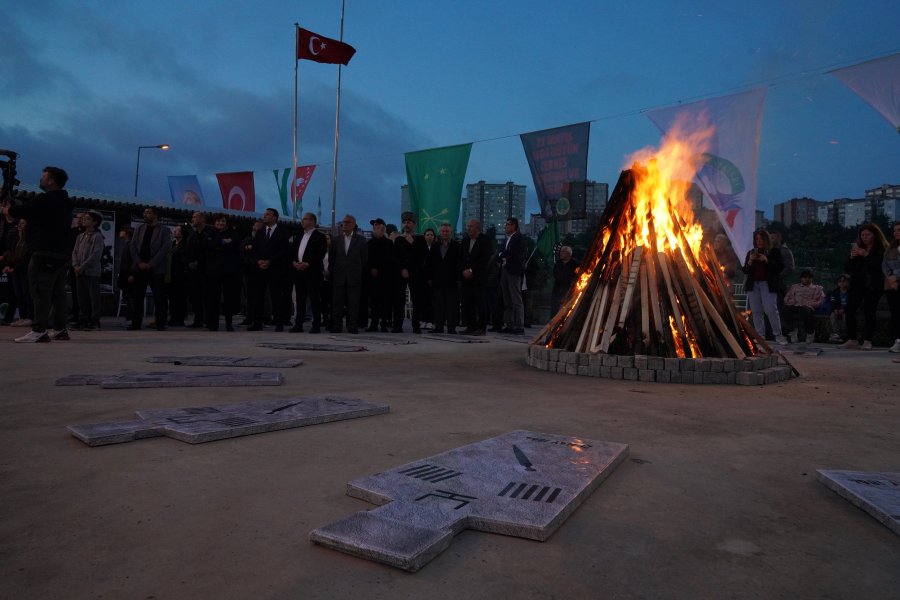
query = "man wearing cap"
{"x": 381, "y": 276}
{"x": 410, "y": 254}
{"x": 86, "y": 257}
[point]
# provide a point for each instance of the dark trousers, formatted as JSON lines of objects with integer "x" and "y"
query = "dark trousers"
{"x": 474, "y": 304}
{"x": 156, "y": 283}
{"x": 177, "y": 301}
{"x": 893, "y": 298}
{"x": 195, "y": 283}
{"x": 868, "y": 300}
{"x": 344, "y": 300}
{"x": 446, "y": 307}
{"x": 19, "y": 280}
{"x": 277, "y": 284}
{"x": 308, "y": 285}
{"x": 799, "y": 317}
{"x": 380, "y": 300}
{"x": 88, "y": 292}
{"x": 47, "y": 279}
{"x": 223, "y": 296}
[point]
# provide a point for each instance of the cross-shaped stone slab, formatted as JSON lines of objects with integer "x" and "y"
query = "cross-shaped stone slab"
{"x": 312, "y": 347}
{"x": 229, "y": 361}
{"x": 456, "y": 339}
{"x": 877, "y": 493}
{"x": 372, "y": 339}
{"x": 158, "y": 379}
{"x": 208, "y": 423}
{"x": 521, "y": 483}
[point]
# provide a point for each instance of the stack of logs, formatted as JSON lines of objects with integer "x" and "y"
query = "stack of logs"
{"x": 631, "y": 299}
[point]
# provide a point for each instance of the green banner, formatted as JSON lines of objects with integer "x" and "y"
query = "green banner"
{"x": 547, "y": 241}
{"x": 435, "y": 179}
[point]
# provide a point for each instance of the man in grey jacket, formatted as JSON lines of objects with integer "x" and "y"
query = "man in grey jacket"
{"x": 149, "y": 248}
{"x": 347, "y": 257}
{"x": 86, "y": 257}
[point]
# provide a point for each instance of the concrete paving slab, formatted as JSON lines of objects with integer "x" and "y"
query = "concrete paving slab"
{"x": 877, "y": 493}
{"x": 228, "y": 361}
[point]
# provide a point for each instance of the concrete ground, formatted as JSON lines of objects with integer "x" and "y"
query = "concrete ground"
{"x": 718, "y": 498}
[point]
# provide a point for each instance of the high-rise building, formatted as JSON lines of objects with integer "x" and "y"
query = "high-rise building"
{"x": 493, "y": 203}
{"x": 596, "y": 195}
{"x": 884, "y": 200}
{"x": 798, "y": 210}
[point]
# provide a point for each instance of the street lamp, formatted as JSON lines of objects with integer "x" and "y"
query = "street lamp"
{"x": 137, "y": 169}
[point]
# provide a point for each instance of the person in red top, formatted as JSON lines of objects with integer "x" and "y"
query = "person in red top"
{"x": 763, "y": 267}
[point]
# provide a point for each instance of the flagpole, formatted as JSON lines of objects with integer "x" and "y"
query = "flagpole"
{"x": 337, "y": 123}
{"x": 296, "y": 61}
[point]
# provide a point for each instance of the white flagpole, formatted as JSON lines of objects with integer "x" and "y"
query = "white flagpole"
{"x": 296, "y": 55}
{"x": 337, "y": 123}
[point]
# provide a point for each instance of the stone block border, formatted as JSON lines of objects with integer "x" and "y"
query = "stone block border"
{"x": 755, "y": 370}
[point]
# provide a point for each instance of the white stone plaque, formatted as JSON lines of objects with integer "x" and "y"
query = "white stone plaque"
{"x": 877, "y": 493}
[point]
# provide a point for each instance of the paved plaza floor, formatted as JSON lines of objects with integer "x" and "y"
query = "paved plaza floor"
{"x": 718, "y": 497}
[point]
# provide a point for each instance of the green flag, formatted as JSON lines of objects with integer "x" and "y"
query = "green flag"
{"x": 547, "y": 240}
{"x": 435, "y": 179}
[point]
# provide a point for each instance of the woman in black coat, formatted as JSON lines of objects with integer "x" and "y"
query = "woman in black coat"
{"x": 866, "y": 282}
{"x": 763, "y": 267}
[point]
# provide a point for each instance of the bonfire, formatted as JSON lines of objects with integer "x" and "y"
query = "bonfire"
{"x": 649, "y": 285}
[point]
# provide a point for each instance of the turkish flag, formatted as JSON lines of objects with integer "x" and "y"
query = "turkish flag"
{"x": 304, "y": 174}
{"x": 237, "y": 190}
{"x": 312, "y": 46}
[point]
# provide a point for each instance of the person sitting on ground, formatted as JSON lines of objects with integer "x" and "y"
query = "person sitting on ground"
{"x": 801, "y": 303}
{"x": 837, "y": 299}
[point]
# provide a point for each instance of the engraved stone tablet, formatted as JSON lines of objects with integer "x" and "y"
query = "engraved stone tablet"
{"x": 372, "y": 339}
{"x": 522, "y": 483}
{"x": 312, "y": 347}
{"x": 458, "y": 339}
{"x": 207, "y": 423}
{"x": 155, "y": 379}
{"x": 228, "y": 361}
{"x": 877, "y": 493}
{"x": 81, "y": 379}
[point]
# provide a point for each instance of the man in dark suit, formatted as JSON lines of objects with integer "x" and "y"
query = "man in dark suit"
{"x": 347, "y": 258}
{"x": 443, "y": 274}
{"x": 195, "y": 255}
{"x": 307, "y": 253}
{"x": 382, "y": 276}
{"x": 270, "y": 269}
{"x": 474, "y": 254}
{"x": 512, "y": 270}
{"x": 149, "y": 249}
{"x": 410, "y": 252}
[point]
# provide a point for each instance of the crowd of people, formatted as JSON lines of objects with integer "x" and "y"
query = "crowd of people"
{"x": 872, "y": 270}
{"x": 288, "y": 279}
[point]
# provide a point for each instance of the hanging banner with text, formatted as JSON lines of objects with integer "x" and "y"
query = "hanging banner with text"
{"x": 558, "y": 161}
{"x": 237, "y": 190}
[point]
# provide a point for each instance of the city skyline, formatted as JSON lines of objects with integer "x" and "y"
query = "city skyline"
{"x": 214, "y": 81}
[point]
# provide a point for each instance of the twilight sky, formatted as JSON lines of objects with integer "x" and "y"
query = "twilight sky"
{"x": 83, "y": 84}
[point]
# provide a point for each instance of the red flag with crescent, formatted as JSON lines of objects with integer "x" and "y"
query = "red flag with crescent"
{"x": 237, "y": 190}
{"x": 312, "y": 46}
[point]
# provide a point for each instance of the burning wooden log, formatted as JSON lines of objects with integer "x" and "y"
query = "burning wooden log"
{"x": 648, "y": 286}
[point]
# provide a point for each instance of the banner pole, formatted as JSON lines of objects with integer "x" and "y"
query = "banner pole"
{"x": 296, "y": 103}
{"x": 337, "y": 123}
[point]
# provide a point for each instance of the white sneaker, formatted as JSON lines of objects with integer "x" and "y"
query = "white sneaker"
{"x": 834, "y": 338}
{"x": 867, "y": 345}
{"x": 810, "y": 338}
{"x": 32, "y": 337}
{"x": 895, "y": 347}
{"x": 780, "y": 339}
{"x": 851, "y": 344}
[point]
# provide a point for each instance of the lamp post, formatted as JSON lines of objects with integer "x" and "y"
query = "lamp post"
{"x": 137, "y": 169}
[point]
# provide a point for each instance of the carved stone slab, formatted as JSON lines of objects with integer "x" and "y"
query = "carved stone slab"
{"x": 458, "y": 339}
{"x": 228, "y": 361}
{"x": 312, "y": 347}
{"x": 157, "y": 379}
{"x": 519, "y": 339}
{"x": 207, "y": 423}
{"x": 372, "y": 339}
{"x": 82, "y": 379}
{"x": 877, "y": 493}
{"x": 521, "y": 483}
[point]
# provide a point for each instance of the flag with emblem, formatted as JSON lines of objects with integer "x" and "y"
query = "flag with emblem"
{"x": 435, "y": 179}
